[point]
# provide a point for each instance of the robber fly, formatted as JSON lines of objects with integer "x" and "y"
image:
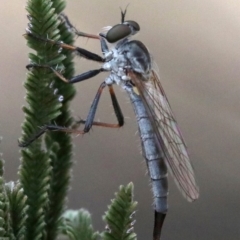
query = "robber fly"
{"x": 131, "y": 67}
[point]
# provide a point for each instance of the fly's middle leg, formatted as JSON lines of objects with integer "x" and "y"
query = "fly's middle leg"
{"x": 75, "y": 79}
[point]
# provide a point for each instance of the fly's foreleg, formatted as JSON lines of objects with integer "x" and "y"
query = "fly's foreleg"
{"x": 70, "y": 26}
{"x": 79, "y": 51}
{"x": 74, "y": 29}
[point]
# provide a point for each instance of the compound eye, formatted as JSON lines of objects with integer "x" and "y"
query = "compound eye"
{"x": 134, "y": 24}
{"x": 117, "y": 33}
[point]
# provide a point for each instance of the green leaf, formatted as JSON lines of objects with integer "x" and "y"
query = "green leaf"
{"x": 18, "y": 209}
{"x": 5, "y": 218}
{"x": 37, "y": 172}
{"x": 77, "y": 225}
{"x": 120, "y": 216}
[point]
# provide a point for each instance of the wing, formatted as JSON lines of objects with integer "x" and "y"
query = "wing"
{"x": 167, "y": 133}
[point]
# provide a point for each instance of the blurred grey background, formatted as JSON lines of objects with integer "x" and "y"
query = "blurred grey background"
{"x": 196, "y": 46}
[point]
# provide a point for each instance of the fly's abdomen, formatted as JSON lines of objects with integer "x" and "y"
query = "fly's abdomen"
{"x": 154, "y": 157}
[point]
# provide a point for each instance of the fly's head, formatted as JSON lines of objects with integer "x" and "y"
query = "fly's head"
{"x": 121, "y": 31}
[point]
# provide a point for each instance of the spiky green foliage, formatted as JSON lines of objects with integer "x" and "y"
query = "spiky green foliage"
{"x": 35, "y": 177}
{"x": 18, "y": 209}
{"x": 5, "y": 219}
{"x": 45, "y": 174}
{"x": 77, "y": 225}
{"x": 62, "y": 154}
{"x": 120, "y": 216}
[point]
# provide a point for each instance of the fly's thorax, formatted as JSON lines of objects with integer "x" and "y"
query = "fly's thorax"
{"x": 136, "y": 56}
{"x": 129, "y": 55}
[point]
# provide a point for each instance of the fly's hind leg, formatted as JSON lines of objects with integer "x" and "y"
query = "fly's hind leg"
{"x": 45, "y": 129}
{"x": 89, "y": 121}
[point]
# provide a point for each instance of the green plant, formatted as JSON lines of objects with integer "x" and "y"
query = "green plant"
{"x": 33, "y": 207}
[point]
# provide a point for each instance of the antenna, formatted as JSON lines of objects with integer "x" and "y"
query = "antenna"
{"x": 123, "y": 14}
